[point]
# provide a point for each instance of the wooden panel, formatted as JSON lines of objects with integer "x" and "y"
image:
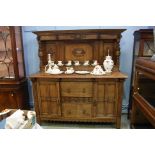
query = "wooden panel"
{"x": 106, "y": 95}
{"x": 76, "y": 89}
{"x": 48, "y": 89}
{"x": 80, "y": 51}
{"x": 49, "y": 108}
{"x": 49, "y": 98}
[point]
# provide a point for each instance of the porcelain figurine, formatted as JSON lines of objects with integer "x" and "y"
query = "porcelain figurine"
{"x": 76, "y": 63}
{"x": 108, "y": 63}
{"x": 60, "y": 63}
{"x": 48, "y": 67}
{"x": 94, "y": 63}
{"x": 55, "y": 69}
{"x": 69, "y": 70}
{"x": 69, "y": 63}
{"x": 86, "y": 63}
{"x": 97, "y": 70}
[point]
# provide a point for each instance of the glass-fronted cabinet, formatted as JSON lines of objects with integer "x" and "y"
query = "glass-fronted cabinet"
{"x": 143, "y": 98}
{"x": 143, "y": 43}
{"x": 11, "y": 53}
{"x": 13, "y": 82}
{"x": 143, "y": 47}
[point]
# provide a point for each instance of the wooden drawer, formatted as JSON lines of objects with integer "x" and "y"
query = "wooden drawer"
{"x": 84, "y": 110}
{"x": 76, "y": 110}
{"x": 77, "y": 89}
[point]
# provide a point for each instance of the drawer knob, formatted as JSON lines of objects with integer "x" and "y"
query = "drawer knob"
{"x": 68, "y": 112}
{"x": 84, "y": 90}
{"x": 68, "y": 90}
{"x": 84, "y": 111}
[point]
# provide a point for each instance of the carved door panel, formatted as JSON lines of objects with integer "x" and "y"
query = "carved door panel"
{"x": 49, "y": 98}
{"x": 105, "y": 99}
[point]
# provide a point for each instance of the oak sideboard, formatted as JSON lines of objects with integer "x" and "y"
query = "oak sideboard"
{"x": 77, "y": 97}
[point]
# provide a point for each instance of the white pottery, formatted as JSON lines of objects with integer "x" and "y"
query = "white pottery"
{"x": 94, "y": 63}
{"x": 76, "y": 63}
{"x": 97, "y": 70}
{"x": 108, "y": 64}
{"x": 86, "y": 63}
{"x": 69, "y": 63}
{"x": 69, "y": 70}
{"x": 55, "y": 69}
{"x": 48, "y": 68}
{"x": 60, "y": 63}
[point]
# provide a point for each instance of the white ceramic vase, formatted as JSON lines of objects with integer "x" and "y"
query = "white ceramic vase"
{"x": 108, "y": 64}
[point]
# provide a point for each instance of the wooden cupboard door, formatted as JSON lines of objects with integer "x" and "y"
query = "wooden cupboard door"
{"x": 105, "y": 99}
{"x": 49, "y": 98}
{"x": 8, "y": 100}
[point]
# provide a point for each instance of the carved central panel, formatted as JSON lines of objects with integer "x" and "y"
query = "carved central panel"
{"x": 80, "y": 51}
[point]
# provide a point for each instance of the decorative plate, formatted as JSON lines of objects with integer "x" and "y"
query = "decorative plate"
{"x": 69, "y": 72}
{"x": 85, "y": 64}
{"x": 94, "y": 64}
{"x": 76, "y": 64}
{"x": 56, "y": 72}
{"x": 60, "y": 65}
{"x": 68, "y": 64}
{"x": 5, "y": 111}
{"x": 82, "y": 72}
{"x": 98, "y": 73}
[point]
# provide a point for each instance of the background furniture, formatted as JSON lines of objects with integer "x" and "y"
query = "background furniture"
{"x": 143, "y": 47}
{"x": 143, "y": 106}
{"x": 13, "y": 83}
{"x": 86, "y": 98}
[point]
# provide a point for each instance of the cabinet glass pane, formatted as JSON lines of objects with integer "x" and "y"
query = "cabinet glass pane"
{"x": 19, "y": 50}
{"x": 148, "y": 94}
{"x": 6, "y": 60}
{"x": 136, "y": 48}
{"x": 149, "y": 48}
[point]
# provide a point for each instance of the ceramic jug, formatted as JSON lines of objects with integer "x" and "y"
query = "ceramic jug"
{"x": 108, "y": 64}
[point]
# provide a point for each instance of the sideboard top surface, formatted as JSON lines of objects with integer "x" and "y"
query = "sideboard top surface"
{"x": 114, "y": 75}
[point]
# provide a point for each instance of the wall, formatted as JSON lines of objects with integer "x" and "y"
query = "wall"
{"x": 126, "y": 45}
